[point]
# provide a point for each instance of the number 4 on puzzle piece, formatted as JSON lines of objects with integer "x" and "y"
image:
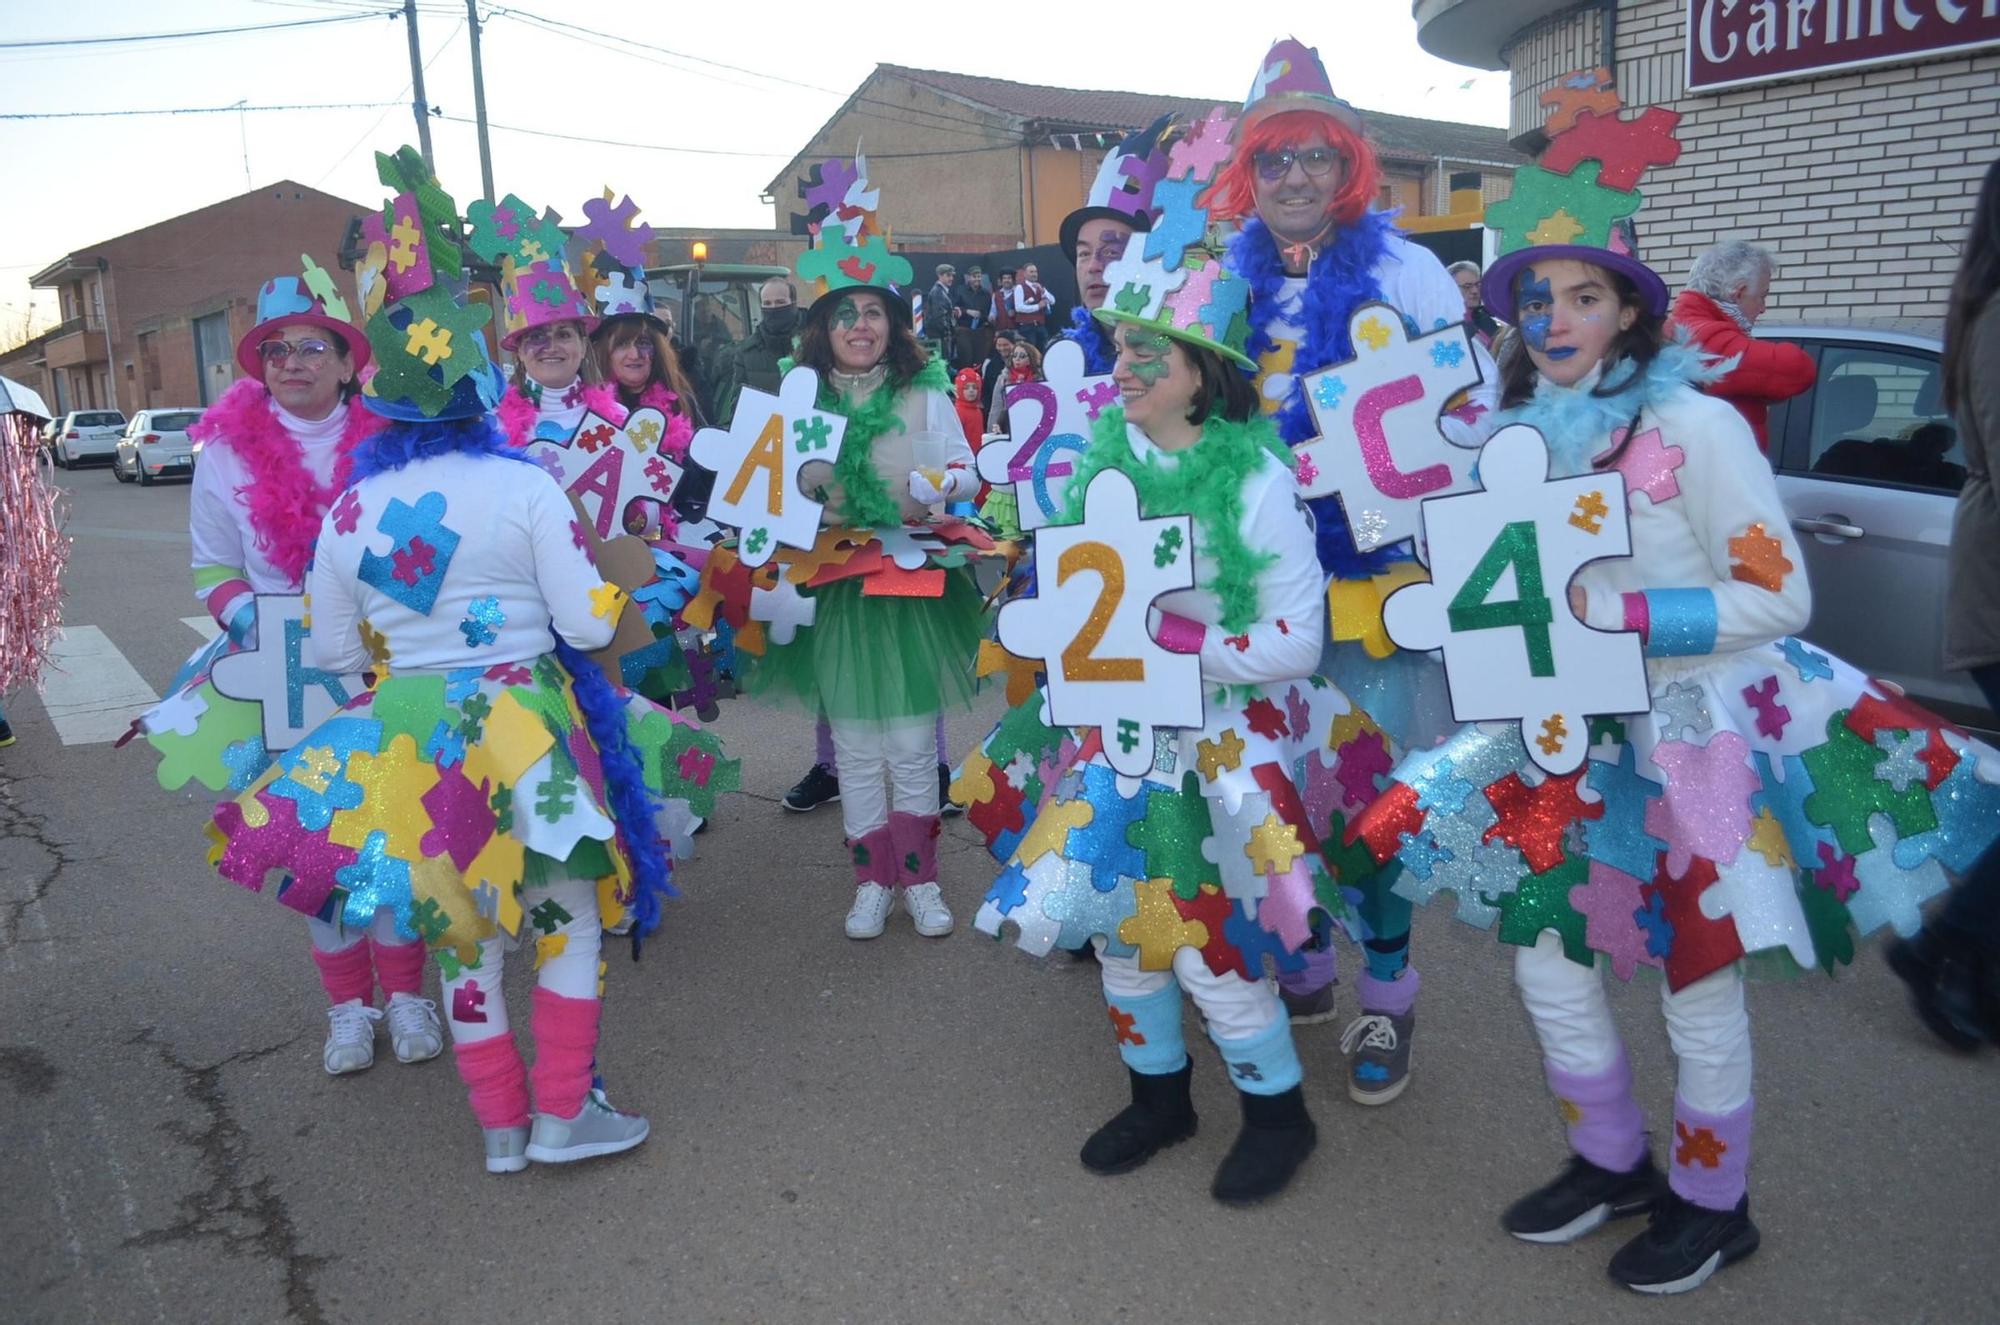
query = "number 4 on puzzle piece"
{"x": 757, "y": 462}
{"x": 1497, "y": 604}
{"x": 1088, "y": 621}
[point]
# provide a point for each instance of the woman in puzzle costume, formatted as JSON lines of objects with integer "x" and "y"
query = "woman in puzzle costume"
{"x": 1771, "y": 800}
{"x": 492, "y": 774}
{"x": 1215, "y": 862}
{"x": 881, "y": 668}
{"x": 275, "y": 450}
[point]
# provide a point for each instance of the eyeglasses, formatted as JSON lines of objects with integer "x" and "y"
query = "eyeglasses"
{"x": 542, "y": 337}
{"x": 311, "y": 350}
{"x": 1274, "y": 166}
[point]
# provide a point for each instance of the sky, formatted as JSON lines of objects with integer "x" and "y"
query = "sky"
{"x": 77, "y": 181}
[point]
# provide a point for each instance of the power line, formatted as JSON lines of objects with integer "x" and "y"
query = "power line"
{"x": 369, "y": 132}
{"x": 200, "y": 32}
{"x": 190, "y": 110}
{"x": 719, "y": 151}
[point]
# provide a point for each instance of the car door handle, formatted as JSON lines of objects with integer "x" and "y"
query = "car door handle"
{"x": 1831, "y": 526}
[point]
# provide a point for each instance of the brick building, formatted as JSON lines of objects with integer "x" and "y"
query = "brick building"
{"x": 151, "y": 318}
{"x": 1847, "y": 136}
{"x": 968, "y": 164}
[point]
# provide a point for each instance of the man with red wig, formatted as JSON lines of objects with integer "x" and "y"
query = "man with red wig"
{"x": 1303, "y": 176}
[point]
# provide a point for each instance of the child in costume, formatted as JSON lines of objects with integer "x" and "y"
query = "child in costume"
{"x": 1185, "y": 911}
{"x": 1770, "y": 798}
{"x": 274, "y": 454}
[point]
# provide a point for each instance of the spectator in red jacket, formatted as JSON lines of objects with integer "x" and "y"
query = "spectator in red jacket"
{"x": 1725, "y": 295}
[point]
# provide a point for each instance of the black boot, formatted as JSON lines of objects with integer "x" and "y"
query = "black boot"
{"x": 1277, "y": 1136}
{"x": 1161, "y": 1114}
{"x": 1683, "y": 1245}
{"x": 1942, "y": 973}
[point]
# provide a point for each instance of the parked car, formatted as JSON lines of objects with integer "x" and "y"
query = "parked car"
{"x": 155, "y": 445}
{"x": 1869, "y": 467}
{"x": 86, "y": 434}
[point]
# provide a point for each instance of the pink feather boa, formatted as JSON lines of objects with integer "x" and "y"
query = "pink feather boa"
{"x": 518, "y": 414}
{"x": 680, "y": 429}
{"x": 285, "y": 504}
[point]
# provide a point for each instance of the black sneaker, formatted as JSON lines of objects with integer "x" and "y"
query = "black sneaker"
{"x": 1683, "y": 1245}
{"x": 947, "y": 807}
{"x": 1582, "y": 1198}
{"x": 6, "y": 733}
{"x": 818, "y": 787}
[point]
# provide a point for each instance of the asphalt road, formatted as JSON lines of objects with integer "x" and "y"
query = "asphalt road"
{"x": 842, "y": 1131}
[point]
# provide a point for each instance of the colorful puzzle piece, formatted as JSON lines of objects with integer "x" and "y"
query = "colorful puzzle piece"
{"x": 757, "y": 488}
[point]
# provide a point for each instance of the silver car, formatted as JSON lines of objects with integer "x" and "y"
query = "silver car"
{"x": 1869, "y": 467}
{"x": 156, "y": 445}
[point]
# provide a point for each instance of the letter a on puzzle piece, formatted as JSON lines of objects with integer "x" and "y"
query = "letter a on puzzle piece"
{"x": 1497, "y": 603}
{"x": 1379, "y": 445}
{"x": 1088, "y": 622}
{"x": 609, "y": 469}
{"x": 757, "y": 462}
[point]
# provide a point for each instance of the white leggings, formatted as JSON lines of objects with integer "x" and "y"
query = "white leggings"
{"x": 330, "y": 936}
{"x": 473, "y": 1001}
{"x": 1706, "y": 1023}
{"x": 885, "y": 766}
{"x": 1236, "y": 1008}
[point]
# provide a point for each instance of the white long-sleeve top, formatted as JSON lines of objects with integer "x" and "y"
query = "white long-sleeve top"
{"x": 1283, "y": 643}
{"x": 1713, "y": 557}
{"x": 219, "y": 528}
{"x": 505, "y": 562}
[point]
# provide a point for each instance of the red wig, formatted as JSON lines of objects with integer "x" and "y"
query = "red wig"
{"x": 1234, "y": 193}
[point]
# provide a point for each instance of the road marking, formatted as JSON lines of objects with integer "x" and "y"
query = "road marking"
{"x": 92, "y": 693}
{"x": 203, "y": 626}
{"x": 128, "y": 535}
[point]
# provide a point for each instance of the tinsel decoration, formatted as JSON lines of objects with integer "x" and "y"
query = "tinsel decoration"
{"x": 33, "y": 552}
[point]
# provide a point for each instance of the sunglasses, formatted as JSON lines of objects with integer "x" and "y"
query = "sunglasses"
{"x": 1274, "y": 166}
{"x": 542, "y": 337}
{"x": 311, "y": 350}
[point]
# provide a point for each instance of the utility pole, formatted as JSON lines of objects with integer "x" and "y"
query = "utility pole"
{"x": 421, "y": 107}
{"x": 479, "y": 99}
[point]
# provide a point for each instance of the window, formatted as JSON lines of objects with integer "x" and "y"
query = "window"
{"x": 178, "y": 421}
{"x": 1877, "y": 417}
{"x": 100, "y": 418}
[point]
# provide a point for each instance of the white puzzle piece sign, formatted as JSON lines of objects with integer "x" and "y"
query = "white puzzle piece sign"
{"x": 1049, "y": 422}
{"x": 1088, "y": 623}
{"x": 1497, "y": 604}
{"x": 757, "y": 463}
{"x": 1379, "y": 446}
{"x": 615, "y": 473}
{"x": 295, "y": 697}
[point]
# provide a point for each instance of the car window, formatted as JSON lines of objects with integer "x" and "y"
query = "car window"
{"x": 101, "y": 419}
{"x": 1877, "y": 417}
{"x": 179, "y": 421}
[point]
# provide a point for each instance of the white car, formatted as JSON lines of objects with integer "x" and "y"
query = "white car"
{"x": 86, "y": 434}
{"x": 155, "y": 445}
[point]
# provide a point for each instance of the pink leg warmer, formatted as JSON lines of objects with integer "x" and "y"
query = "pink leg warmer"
{"x": 565, "y": 1048}
{"x": 496, "y": 1081}
{"x": 915, "y": 841}
{"x": 874, "y": 855}
{"x": 399, "y": 967}
{"x": 346, "y": 974}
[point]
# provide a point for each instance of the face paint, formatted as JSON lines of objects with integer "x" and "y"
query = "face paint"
{"x": 846, "y": 313}
{"x": 1149, "y": 354}
{"x": 1535, "y": 302}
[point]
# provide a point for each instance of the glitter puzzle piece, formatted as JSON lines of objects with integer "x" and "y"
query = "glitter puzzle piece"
{"x": 291, "y": 697}
{"x": 613, "y": 228}
{"x": 1155, "y": 927}
{"x": 1048, "y": 419}
{"x": 1705, "y": 810}
{"x": 757, "y": 488}
{"x": 1083, "y": 910}
{"x": 1036, "y": 932}
{"x": 420, "y": 552}
{"x": 1626, "y": 147}
{"x": 1890, "y": 894}
{"x": 611, "y": 472}
{"x": 1526, "y": 659}
{"x": 1584, "y": 207}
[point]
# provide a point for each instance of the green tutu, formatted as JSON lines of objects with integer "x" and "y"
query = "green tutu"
{"x": 876, "y": 659}
{"x": 1002, "y": 510}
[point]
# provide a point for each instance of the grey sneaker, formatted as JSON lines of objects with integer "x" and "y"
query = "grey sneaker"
{"x": 1309, "y": 1009}
{"x": 597, "y": 1129}
{"x": 506, "y": 1149}
{"x": 1379, "y": 1045}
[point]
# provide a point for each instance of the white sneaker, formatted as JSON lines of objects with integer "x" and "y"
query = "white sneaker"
{"x": 597, "y": 1129}
{"x": 925, "y": 903}
{"x": 870, "y": 912}
{"x": 414, "y": 1030}
{"x": 350, "y": 1037}
{"x": 506, "y": 1149}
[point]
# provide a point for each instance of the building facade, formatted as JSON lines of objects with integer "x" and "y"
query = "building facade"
{"x": 1847, "y": 136}
{"x": 151, "y": 318}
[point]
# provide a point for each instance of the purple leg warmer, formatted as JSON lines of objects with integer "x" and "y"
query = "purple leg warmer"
{"x": 1605, "y": 1124}
{"x": 1711, "y": 1165}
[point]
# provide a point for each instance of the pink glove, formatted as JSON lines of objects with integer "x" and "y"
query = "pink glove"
{"x": 1179, "y": 634}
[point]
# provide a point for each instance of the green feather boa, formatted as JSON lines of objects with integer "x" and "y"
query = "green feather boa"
{"x": 867, "y": 502}
{"x": 1207, "y": 483}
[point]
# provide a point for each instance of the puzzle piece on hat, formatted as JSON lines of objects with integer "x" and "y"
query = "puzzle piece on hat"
{"x": 1379, "y": 448}
{"x": 292, "y": 697}
{"x": 444, "y": 334}
{"x": 496, "y": 227}
{"x": 436, "y": 210}
{"x": 409, "y": 269}
{"x": 1550, "y": 208}
{"x": 1181, "y": 222}
{"x": 1196, "y": 155}
{"x": 1526, "y": 658}
{"x": 839, "y": 264}
{"x": 403, "y": 377}
{"x": 613, "y": 228}
{"x": 282, "y": 296}
{"x": 1627, "y": 148}
{"x": 1586, "y": 89}
{"x": 1087, "y": 622}
{"x": 757, "y": 463}
{"x": 1049, "y": 419}
{"x": 371, "y": 285}
{"x": 320, "y": 282}
{"x": 1140, "y": 285}
{"x": 420, "y": 551}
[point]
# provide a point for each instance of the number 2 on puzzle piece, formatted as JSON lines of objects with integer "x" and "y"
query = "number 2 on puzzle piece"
{"x": 757, "y": 462}
{"x": 1379, "y": 446}
{"x": 1088, "y": 622}
{"x": 1501, "y": 562}
{"x": 1050, "y": 419}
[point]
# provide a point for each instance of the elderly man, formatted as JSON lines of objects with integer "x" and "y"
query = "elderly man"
{"x": 1725, "y": 295}
{"x": 1481, "y": 324}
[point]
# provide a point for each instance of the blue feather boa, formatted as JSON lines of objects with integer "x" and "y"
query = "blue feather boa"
{"x": 632, "y": 802}
{"x": 400, "y": 443}
{"x": 1099, "y": 356}
{"x": 1577, "y": 421}
{"x": 1340, "y": 280}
